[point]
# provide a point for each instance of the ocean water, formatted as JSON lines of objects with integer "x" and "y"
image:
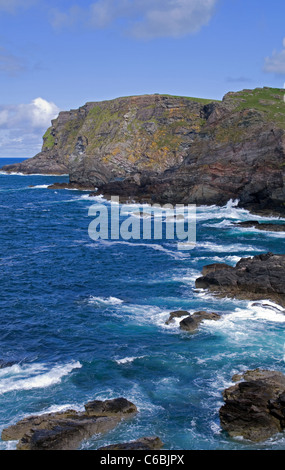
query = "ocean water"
{"x": 85, "y": 319}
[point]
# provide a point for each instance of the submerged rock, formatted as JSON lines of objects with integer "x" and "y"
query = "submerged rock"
{"x": 4, "y": 364}
{"x": 255, "y": 407}
{"x": 256, "y": 278}
{"x": 144, "y": 443}
{"x": 66, "y": 430}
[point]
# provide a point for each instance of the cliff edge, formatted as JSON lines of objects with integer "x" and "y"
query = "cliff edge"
{"x": 164, "y": 148}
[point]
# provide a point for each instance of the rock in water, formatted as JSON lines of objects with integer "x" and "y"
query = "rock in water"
{"x": 65, "y": 430}
{"x": 176, "y": 314}
{"x": 116, "y": 407}
{"x": 255, "y": 407}
{"x": 144, "y": 443}
{"x": 192, "y": 322}
{"x": 256, "y": 278}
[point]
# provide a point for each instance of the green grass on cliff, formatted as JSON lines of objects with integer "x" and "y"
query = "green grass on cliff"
{"x": 270, "y": 101}
{"x": 197, "y": 100}
{"x": 48, "y": 139}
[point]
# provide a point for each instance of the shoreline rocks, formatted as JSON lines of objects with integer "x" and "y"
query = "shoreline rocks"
{"x": 255, "y": 407}
{"x": 258, "y": 278}
{"x": 66, "y": 430}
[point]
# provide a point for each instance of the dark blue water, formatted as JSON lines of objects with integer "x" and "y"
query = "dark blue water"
{"x": 85, "y": 320}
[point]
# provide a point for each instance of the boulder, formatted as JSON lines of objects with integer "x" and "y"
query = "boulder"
{"x": 192, "y": 322}
{"x": 176, "y": 314}
{"x": 254, "y": 407}
{"x": 256, "y": 278}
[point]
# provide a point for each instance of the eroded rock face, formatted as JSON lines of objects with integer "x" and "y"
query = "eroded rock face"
{"x": 255, "y": 407}
{"x": 65, "y": 430}
{"x": 259, "y": 277}
{"x": 168, "y": 149}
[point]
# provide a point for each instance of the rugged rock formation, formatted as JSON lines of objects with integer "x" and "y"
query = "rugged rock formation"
{"x": 65, "y": 430}
{"x": 260, "y": 277}
{"x": 176, "y": 314}
{"x": 192, "y": 322}
{"x": 144, "y": 443}
{"x": 173, "y": 149}
{"x": 255, "y": 407}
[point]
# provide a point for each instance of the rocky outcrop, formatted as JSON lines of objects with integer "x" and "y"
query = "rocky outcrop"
{"x": 144, "y": 443}
{"x": 176, "y": 314}
{"x": 66, "y": 430}
{"x": 171, "y": 149}
{"x": 255, "y": 407}
{"x": 256, "y": 278}
{"x": 191, "y": 322}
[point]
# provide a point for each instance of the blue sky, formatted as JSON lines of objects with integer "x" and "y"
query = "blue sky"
{"x": 57, "y": 55}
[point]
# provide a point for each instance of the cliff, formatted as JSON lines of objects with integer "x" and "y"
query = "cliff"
{"x": 173, "y": 149}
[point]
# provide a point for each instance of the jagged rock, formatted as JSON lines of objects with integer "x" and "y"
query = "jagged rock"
{"x": 176, "y": 314}
{"x": 255, "y": 407}
{"x": 144, "y": 443}
{"x": 65, "y": 430}
{"x": 192, "y": 322}
{"x": 256, "y": 278}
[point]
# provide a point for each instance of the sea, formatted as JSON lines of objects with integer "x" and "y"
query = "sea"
{"x": 84, "y": 319}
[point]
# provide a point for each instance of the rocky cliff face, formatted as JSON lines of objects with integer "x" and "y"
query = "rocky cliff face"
{"x": 173, "y": 149}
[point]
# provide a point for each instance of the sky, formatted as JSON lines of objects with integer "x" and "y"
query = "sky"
{"x": 57, "y": 55}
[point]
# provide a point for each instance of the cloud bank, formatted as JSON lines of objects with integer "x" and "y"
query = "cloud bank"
{"x": 22, "y": 127}
{"x": 142, "y": 19}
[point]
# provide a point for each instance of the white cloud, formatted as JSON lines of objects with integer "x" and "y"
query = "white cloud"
{"x": 144, "y": 19}
{"x": 276, "y": 63}
{"x": 22, "y": 127}
{"x": 37, "y": 114}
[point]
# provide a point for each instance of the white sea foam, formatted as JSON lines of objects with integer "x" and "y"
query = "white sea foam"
{"x": 39, "y": 186}
{"x": 104, "y": 300}
{"x": 230, "y": 211}
{"x": 233, "y": 248}
{"x": 30, "y": 376}
{"x": 17, "y": 173}
{"x": 153, "y": 246}
{"x": 127, "y": 360}
{"x": 247, "y": 322}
